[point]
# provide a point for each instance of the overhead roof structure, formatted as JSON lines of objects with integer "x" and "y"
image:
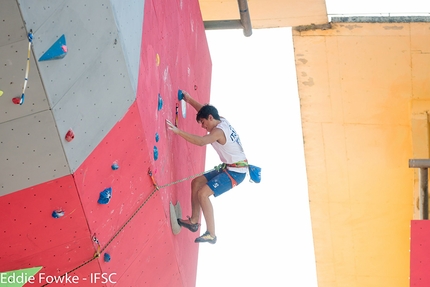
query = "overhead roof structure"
{"x": 268, "y": 13}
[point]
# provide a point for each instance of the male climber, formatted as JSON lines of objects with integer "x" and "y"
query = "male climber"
{"x": 226, "y": 142}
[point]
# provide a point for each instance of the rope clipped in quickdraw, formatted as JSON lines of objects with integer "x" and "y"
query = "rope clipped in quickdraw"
{"x": 20, "y": 100}
{"x": 153, "y": 179}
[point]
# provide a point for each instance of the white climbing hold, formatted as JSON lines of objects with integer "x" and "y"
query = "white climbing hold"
{"x": 175, "y": 213}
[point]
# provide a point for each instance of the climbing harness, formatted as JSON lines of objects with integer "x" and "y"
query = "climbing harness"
{"x": 223, "y": 167}
{"x": 254, "y": 171}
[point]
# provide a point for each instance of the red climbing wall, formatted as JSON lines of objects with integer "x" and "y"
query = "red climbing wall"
{"x": 32, "y": 237}
{"x": 175, "y": 56}
{"x": 134, "y": 227}
{"x": 420, "y": 247}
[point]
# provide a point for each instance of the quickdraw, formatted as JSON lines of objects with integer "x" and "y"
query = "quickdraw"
{"x": 20, "y": 100}
{"x": 96, "y": 241}
{"x": 152, "y": 178}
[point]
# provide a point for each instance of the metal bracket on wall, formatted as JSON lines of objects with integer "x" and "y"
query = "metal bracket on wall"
{"x": 423, "y": 165}
{"x": 244, "y": 22}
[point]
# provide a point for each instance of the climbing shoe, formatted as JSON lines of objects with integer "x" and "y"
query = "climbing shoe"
{"x": 206, "y": 237}
{"x": 193, "y": 227}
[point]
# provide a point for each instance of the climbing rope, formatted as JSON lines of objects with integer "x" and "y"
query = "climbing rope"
{"x": 156, "y": 188}
{"x": 187, "y": 178}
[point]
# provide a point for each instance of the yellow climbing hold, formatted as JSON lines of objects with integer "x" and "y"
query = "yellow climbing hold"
{"x": 157, "y": 60}
{"x": 1, "y": 93}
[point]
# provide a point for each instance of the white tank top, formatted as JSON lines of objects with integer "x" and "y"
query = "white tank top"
{"x": 231, "y": 151}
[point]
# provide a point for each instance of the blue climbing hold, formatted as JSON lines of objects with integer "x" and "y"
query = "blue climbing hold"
{"x": 155, "y": 153}
{"x": 58, "y": 213}
{"x": 180, "y": 95}
{"x": 58, "y": 50}
{"x": 106, "y": 257}
{"x": 160, "y": 102}
{"x": 105, "y": 196}
{"x": 115, "y": 166}
{"x": 157, "y": 137}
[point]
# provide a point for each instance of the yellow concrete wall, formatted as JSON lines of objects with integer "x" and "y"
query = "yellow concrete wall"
{"x": 365, "y": 95}
{"x": 268, "y": 13}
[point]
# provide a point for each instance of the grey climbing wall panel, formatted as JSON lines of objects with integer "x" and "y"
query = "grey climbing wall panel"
{"x": 92, "y": 106}
{"x": 30, "y": 152}
{"x": 30, "y": 149}
{"x": 129, "y": 18}
{"x": 90, "y": 89}
{"x": 13, "y": 61}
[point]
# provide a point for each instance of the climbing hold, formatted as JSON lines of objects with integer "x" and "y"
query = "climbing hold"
{"x": 115, "y": 166}
{"x": 157, "y": 60}
{"x": 106, "y": 257}
{"x": 175, "y": 213}
{"x": 70, "y": 135}
{"x": 180, "y": 95}
{"x": 184, "y": 109}
{"x": 195, "y": 87}
{"x": 157, "y": 137}
{"x": 155, "y": 153}
{"x": 105, "y": 196}
{"x": 160, "y": 102}
{"x": 58, "y": 213}
{"x": 1, "y": 93}
{"x": 183, "y": 104}
{"x": 18, "y": 100}
{"x": 58, "y": 50}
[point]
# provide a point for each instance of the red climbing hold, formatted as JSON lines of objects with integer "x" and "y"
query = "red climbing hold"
{"x": 70, "y": 136}
{"x": 17, "y": 100}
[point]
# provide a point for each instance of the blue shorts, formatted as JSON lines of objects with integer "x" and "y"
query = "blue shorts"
{"x": 219, "y": 182}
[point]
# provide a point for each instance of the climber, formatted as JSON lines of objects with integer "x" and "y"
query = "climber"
{"x": 226, "y": 142}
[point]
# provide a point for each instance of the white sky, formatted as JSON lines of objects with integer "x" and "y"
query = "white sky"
{"x": 264, "y": 232}
{"x": 264, "y": 235}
